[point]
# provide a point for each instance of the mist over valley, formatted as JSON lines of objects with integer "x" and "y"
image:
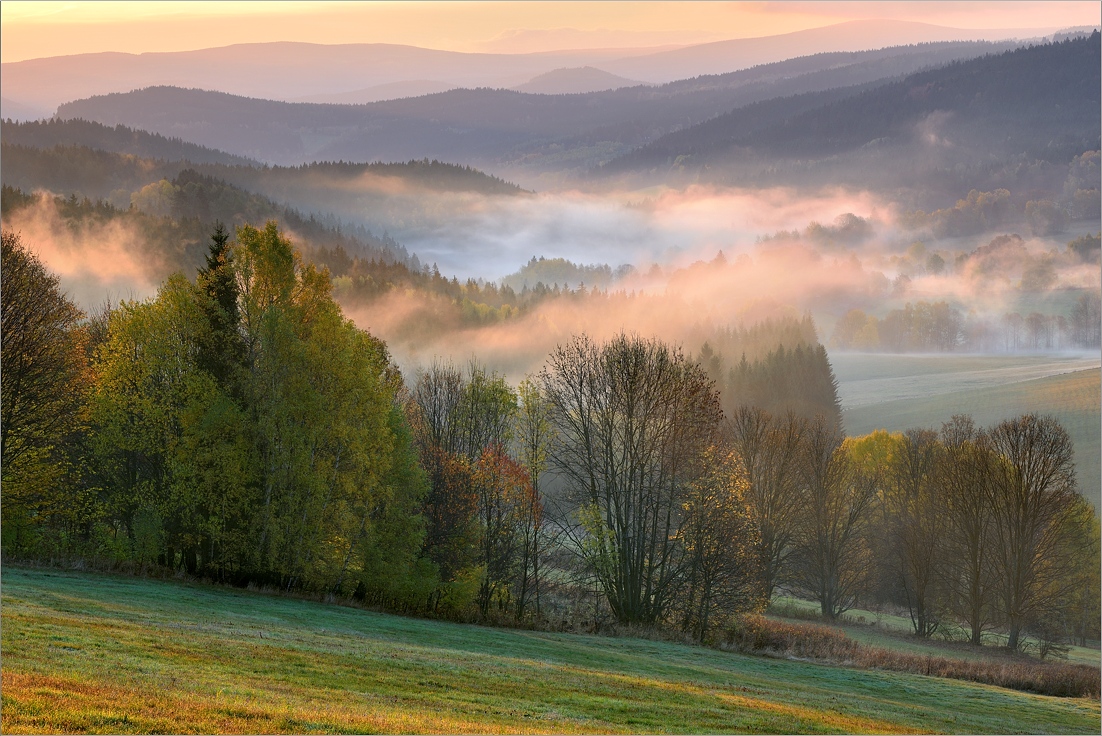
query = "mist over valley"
{"x": 698, "y": 340}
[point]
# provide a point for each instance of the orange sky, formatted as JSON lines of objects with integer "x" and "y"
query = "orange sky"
{"x": 37, "y": 29}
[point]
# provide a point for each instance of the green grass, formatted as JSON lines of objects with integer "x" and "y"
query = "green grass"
{"x": 1073, "y": 398}
{"x": 90, "y": 652}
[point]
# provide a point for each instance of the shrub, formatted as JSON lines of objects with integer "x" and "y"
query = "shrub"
{"x": 761, "y": 635}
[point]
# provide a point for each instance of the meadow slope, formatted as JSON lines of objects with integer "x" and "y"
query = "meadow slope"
{"x": 97, "y": 653}
{"x": 989, "y": 388}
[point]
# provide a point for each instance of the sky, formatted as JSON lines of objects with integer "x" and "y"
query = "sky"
{"x": 35, "y": 29}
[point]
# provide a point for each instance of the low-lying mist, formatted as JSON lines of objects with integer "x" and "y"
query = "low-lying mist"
{"x": 97, "y": 262}
{"x": 702, "y": 258}
{"x": 706, "y": 258}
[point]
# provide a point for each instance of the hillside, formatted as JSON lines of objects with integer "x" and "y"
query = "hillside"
{"x": 492, "y": 128}
{"x": 117, "y": 139}
{"x": 1038, "y": 102}
{"x": 88, "y": 652}
{"x": 378, "y": 196}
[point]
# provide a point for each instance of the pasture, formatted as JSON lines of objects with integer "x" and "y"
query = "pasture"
{"x": 898, "y": 392}
{"x": 96, "y": 653}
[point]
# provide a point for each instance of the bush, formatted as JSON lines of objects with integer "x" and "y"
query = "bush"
{"x": 761, "y": 635}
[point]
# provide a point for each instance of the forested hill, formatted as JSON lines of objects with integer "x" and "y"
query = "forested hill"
{"x": 48, "y": 134}
{"x": 496, "y": 125}
{"x": 117, "y": 139}
{"x": 1039, "y": 101}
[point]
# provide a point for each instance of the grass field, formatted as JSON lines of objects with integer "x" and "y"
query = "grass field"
{"x": 90, "y": 652}
{"x": 990, "y": 388}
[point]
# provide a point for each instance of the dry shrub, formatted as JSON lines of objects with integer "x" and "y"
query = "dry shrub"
{"x": 758, "y": 634}
{"x": 761, "y": 635}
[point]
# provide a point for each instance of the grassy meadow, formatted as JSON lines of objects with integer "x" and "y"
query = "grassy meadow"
{"x": 990, "y": 388}
{"x": 87, "y": 652}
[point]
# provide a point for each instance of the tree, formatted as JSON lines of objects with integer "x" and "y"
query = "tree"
{"x": 834, "y": 557}
{"x": 1033, "y": 485}
{"x": 632, "y": 418}
{"x": 721, "y": 544}
{"x": 320, "y": 393}
{"x": 969, "y": 572}
{"x": 769, "y": 448}
{"x": 43, "y": 380}
{"x": 504, "y": 495}
{"x": 222, "y": 351}
{"x": 916, "y": 506}
{"x": 155, "y": 416}
{"x": 532, "y": 437}
{"x": 1086, "y": 318}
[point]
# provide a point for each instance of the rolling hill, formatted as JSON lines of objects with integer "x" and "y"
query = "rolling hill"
{"x": 494, "y": 129}
{"x": 92, "y": 652}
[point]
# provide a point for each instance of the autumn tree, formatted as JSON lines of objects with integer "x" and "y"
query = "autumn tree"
{"x": 504, "y": 498}
{"x": 532, "y": 439}
{"x": 43, "y": 381}
{"x": 721, "y": 543}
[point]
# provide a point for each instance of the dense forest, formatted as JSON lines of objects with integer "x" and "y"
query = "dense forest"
{"x": 237, "y": 427}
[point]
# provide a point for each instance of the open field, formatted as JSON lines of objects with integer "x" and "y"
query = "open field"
{"x": 929, "y": 389}
{"x": 89, "y": 652}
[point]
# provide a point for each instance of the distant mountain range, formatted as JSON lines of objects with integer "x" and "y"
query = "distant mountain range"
{"x": 509, "y": 133}
{"x": 297, "y": 71}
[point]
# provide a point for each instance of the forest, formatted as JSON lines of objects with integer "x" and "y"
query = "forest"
{"x": 238, "y": 427}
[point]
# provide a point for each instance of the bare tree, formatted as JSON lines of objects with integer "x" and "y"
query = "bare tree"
{"x": 632, "y": 419}
{"x": 916, "y": 507}
{"x": 1033, "y": 497}
{"x": 770, "y": 451}
{"x": 968, "y": 571}
{"x": 834, "y": 557}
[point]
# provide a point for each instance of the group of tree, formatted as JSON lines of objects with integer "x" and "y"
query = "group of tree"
{"x": 966, "y": 528}
{"x": 1077, "y": 200}
{"x": 237, "y": 427}
{"x": 940, "y": 327}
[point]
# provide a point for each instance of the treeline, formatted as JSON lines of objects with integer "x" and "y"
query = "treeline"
{"x": 238, "y": 427}
{"x": 57, "y": 133}
{"x": 117, "y": 139}
{"x": 939, "y": 327}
